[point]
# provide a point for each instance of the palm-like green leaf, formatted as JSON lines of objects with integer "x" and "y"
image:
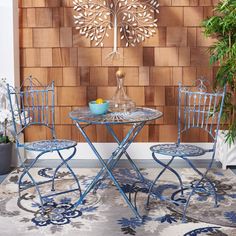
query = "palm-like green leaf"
{"x": 222, "y": 26}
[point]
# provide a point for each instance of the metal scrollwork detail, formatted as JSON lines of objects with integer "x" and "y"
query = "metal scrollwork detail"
{"x": 201, "y": 84}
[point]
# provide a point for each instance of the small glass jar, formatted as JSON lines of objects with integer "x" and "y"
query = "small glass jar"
{"x": 120, "y": 102}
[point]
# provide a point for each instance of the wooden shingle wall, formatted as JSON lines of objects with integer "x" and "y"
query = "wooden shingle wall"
{"x": 52, "y": 49}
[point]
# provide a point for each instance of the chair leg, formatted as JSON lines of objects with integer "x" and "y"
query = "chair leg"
{"x": 188, "y": 201}
{"x": 204, "y": 177}
{"x": 64, "y": 162}
{"x": 154, "y": 182}
{"x": 173, "y": 171}
{"x": 133, "y": 187}
{"x": 196, "y": 186}
{"x": 135, "y": 198}
{"x": 37, "y": 189}
{"x": 26, "y": 171}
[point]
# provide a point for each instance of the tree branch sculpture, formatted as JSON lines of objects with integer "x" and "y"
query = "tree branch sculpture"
{"x": 135, "y": 20}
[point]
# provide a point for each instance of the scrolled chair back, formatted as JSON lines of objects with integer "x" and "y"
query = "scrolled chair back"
{"x": 199, "y": 108}
{"x": 32, "y": 104}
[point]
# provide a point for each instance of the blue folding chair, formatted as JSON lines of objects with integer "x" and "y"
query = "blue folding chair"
{"x": 196, "y": 109}
{"x": 33, "y": 104}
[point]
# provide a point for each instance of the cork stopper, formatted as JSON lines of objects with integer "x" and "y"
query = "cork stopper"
{"x": 120, "y": 74}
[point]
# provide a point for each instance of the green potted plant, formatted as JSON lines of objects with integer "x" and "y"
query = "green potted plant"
{"x": 222, "y": 27}
{"x": 5, "y": 136}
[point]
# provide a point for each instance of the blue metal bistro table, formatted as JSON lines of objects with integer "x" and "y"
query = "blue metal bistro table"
{"x": 137, "y": 119}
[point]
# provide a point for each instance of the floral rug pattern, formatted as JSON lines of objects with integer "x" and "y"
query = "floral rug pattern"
{"x": 104, "y": 212}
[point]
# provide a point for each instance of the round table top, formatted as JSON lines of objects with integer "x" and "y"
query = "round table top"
{"x": 141, "y": 114}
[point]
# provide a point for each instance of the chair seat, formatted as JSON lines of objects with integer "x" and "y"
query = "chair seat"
{"x": 178, "y": 150}
{"x": 50, "y": 145}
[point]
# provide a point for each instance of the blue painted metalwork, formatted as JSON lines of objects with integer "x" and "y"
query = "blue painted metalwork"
{"x": 196, "y": 109}
{"x": 138, "y": 118}
{"x": 50, "y": 145}
{"x": 176, "y": 150}
{"x": 33, "y": 104}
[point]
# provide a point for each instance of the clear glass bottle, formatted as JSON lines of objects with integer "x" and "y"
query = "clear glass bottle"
{"x": 120, "y": 102}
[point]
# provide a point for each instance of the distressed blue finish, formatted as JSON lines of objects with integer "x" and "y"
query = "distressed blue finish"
{"x": 33, "y": 104}
{"x": 178, "y": 150}
{"x": 196, "y": 109}
{"x": 139, "y": 115}
{"x": 50, "y": 145}
{"x": 137, "y": 119}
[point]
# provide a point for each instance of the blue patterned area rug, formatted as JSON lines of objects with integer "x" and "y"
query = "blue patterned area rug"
{"x": 105, "y": 213}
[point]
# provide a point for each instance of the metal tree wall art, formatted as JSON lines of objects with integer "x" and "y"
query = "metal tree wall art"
{"x": 135, "y": 20}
